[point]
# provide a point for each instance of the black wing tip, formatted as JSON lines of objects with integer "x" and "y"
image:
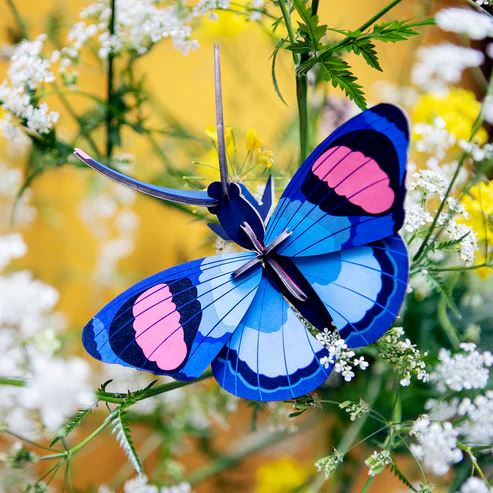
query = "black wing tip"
{"x": 395, "y": 114}
{"x": 89, "y": 341}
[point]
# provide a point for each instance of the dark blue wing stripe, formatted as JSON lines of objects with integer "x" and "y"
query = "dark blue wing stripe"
{"x": 363, "y": 288}
{"x": 301, "y": 174}
{"x": 271, "y": 355}
{"x": 170, "y": 284}
{"x": 243, "y": 281}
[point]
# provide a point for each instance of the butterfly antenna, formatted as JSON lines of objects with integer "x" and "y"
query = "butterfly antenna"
{"x": 221, "y": 146}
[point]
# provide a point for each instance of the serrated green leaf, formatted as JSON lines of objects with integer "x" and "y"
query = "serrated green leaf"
{"x": 121, "y": 429}
{"x": 338, "y": 72}
{"x": 71, "y": 424}
{"x": 366, "y": 49}
{"x": 397, "y": 30}
{"x": 400, "y": 476}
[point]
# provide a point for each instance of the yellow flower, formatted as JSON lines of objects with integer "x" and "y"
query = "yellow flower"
{"x": 282, "y": 476}
{"x": 223, "y": 25}
{"x": 229, "y": 139}
{"x": 479, "y": 207}
{"x": 458, "y": 108}
{"x": 265, "y": 158}
{"x": 252, "y": 140}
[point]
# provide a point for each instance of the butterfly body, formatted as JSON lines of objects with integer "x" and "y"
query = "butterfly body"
{"x": 327, "y": 257}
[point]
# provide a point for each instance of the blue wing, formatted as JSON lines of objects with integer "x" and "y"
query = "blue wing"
{"x": 363, "y": 288}
{"x": 350, "y": 190}
{"x": 271, "y": 355}
{"x": 174, "y": 322}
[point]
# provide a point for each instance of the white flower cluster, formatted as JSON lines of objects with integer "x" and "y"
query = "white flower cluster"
{"x": 435, "y": 444}
{"x": 138, "y": 26}
{"x": 26, "y": 306}
{"x": 475, "y": 485}
{"x": 141, "y": 484}
{"x": 434, "y": 138}
{"x": 428, "y": 186}
{"x": 403, "y": 355}
{"x": 339, "y": 355}
{"x": 27, "y": 72}
{"x": 477, "y": 428}
{"x": 465, "y": 370}
{"x": 441, "y": 65}
{"x": 207, "y": 7}
{"x": 471, "y": 23}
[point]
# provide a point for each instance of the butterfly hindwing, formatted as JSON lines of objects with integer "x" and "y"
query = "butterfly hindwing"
{"x": 271, "y": 355}
{"x": 174, "y": 322}
{"x": 363, "y": 288}
{"x": 350, "y": 190}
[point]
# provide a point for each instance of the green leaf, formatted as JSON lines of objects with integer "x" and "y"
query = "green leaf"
{"x": 397, "y": 30}
{"x": 121, "y": 429}
{"x": 445, "y": 288}
{"x": 401, "y": 477}
{"x": 366, "y": 49}
{"x": 338, "y": 72}
{"x": 309, "y": 29}
{"x": 73, "y": 423}
{"x": 367, "y": 485}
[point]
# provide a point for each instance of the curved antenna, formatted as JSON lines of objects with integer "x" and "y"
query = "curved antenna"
{"x": 188, "y": 197}
{"x": 221, "y": 146}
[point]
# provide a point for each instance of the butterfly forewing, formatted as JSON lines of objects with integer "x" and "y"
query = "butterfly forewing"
{"x": 350, "y": 190}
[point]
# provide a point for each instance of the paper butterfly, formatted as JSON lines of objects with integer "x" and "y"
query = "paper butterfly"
{"x": 328, "y": 254}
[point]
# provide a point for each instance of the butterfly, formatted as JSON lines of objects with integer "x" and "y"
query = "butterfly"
{"x": 328, "y": 256}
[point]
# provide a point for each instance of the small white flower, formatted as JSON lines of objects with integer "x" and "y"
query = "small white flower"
{"x": 441, "y": 65}
{"x": 339, "y": 355}
{"x": 465, "y": 370}
{"x": 52, "y": 377}
{"x": 474, "y": 25}
{"x": 436, "y": 445}
{"x": 475, "y": 485}
{"x": 11, "y": 246}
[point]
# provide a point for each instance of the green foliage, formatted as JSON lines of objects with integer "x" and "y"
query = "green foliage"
{"x": 338, "y": 72}
{"x": 72, "y": 424}
{"x": 312, "y": 48}
{"x": 121, "y": 430}
{"x": 401, "y": 476}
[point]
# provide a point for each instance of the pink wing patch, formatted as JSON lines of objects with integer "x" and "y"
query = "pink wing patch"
{"x": 358, "y": 178}
{"x": 157, "y": 328}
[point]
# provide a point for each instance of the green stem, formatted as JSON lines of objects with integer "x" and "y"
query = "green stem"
{"x": 379, "y": 14}
{"x": 474, "y": 462}
{"x": 289, "y": 28}
{"x": 94, "y": 434}
{"x": 109, "y": 87}
{"x": 301, "y": 85}
{"x": 448, "y": 328}
{"x": 460, "y": 268}
{"x": 12, "y": 382}
{"x": 117, "y": 398}
{"x": 354, "y": 430}
{"x": 21, "y": 25}
{"x": 301, "y": 98}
